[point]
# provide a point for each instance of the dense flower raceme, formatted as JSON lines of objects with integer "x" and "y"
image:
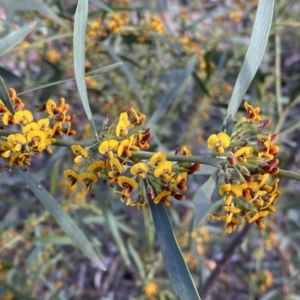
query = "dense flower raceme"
{"x": 156, "y": 178}
{"x": 36, "y": 134}
{"x": 251, "y": 159}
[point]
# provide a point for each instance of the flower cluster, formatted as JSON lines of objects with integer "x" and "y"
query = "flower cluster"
{"x": 156, "y": 178}
{"x": 251, "y": 158}
{"x": 36, "y": 134}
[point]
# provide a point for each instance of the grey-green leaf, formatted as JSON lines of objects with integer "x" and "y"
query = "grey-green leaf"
{"x": 15, "y": 37}
{"x": 62, "y": 218}
{"x": 35, "y": 5}
{"x": 256, "y": 49}
{"x": 181, "y": 279}
{"x": 5, "y": 97}
{"x": 202, "y": 197}
{"x": 80, "y": 21}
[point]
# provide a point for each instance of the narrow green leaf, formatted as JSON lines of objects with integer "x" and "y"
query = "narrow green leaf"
{"x": 181, "y": 279}
{"x": 112, "y": 223}
{"x": 80, "y": 21}
{"x": 162, "y": 107}
{"x": 125, "y": 69}
{"x": 101, "y": 5}
{"x": 14, "y": 38}
{"x": 35, "y": 5}
{"x": 55, "y": 240}
{"x": 4, "y": 96}
{"x": 92, "y": 74}
{"x": 200, "y": 84}
{"x": 202, "y": 197}
{"x": 136, "y": 258}
{"x": 62, "y": 218}
{"x": 256, "y": 49}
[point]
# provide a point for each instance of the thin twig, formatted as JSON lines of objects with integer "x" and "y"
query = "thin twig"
{"x": 237, "y": 241}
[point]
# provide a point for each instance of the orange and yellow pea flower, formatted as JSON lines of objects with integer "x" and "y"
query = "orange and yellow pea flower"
{"x": 128, "y": 184}
{"x": 23, "y": 117}
{"x": 97, "y": 166}
{"x": 16, "y": 141}
{"x": 230, "y": 191}
{"x": 72, "y": 176}
{"x": 80, "y": 153}
{"x": 106, "y": 147}
{"x": 116, "y": 168}
{"x": 138, "y": 118}
{"x": 218, "y": 142}
{"x": 180, "y": 180}
{"x": 252, "y": 113}
{"x": 140, "y": 169}
{"x": 123, "y": 125}
{"x": 88, "y": 178}
{"x": 158, "y": 158}
{"x": 164, "y": 197}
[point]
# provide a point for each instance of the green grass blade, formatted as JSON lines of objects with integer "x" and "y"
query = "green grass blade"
{"x": 162, "y": 107}
{"x": 181, "y": 279}
{"x": 62, "y": 218}
{"x": 4, "y": 96}
{"x": 35, "y": 5}
{"x": 80, "y": 21}
{"x": 202, "y": 197}
{"x": 14, "y": 38}
{"x": 92, "y": 74}
{"x": 112, "y": 224}
{"x": 136, "y": 258}
{"x": 256, "y": 49}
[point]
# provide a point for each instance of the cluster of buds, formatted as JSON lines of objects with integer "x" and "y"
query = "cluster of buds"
{"x": 36, "y": 134}
{"x": 155, "y": 178}
{"x": 250, "y": 159}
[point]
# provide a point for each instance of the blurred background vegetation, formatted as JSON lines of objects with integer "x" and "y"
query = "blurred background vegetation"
{"x": 180, "y": 61}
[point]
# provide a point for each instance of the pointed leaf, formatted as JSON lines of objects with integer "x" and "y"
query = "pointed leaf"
{"x": 80, "y": 21}
{"x": 256, "y": 49}
{"x": 181, "y": 279}
{"x": 92, "y": 74}
{"x": 202, "y": 197}
{"x": 4, "y": 96}
{"x": 15, "y": 37}
{"x": 62, "y": 218}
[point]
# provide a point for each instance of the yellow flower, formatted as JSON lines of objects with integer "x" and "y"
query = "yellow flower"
{"x": 252, "y": 113}
{"x": 157, "y": 158}
{"x": 164, "y": 197}
{"x": 16, "y": 141}
{"x": 138, "y": 118}
{"x": 123, "y": 125}
{"x": 151, "y": 289}
{"x": 88, "y": 178}
{"x": 79, "y": 152}
{"x": 162, "y": 168}
{"x": 36, "y": 137}
{"x": 124, "y": 147}
{"x": 139, "y": 169}
{"x": 180, "y": 180}
{"x": 185, "y": 151}
{"x": 128, "y": 184}
{"x": 243, "y": 153}
{"x": 107, "y": 147}
{"x": 116, "y": 169}
{"x": 8, "y": 118}
{"x": 72, "y": 176}
{"x": 229, "y": 191}
{"x": 97, "y": 166}
{"x": 23, "y": 117}
{"x": 218, "y": 142}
